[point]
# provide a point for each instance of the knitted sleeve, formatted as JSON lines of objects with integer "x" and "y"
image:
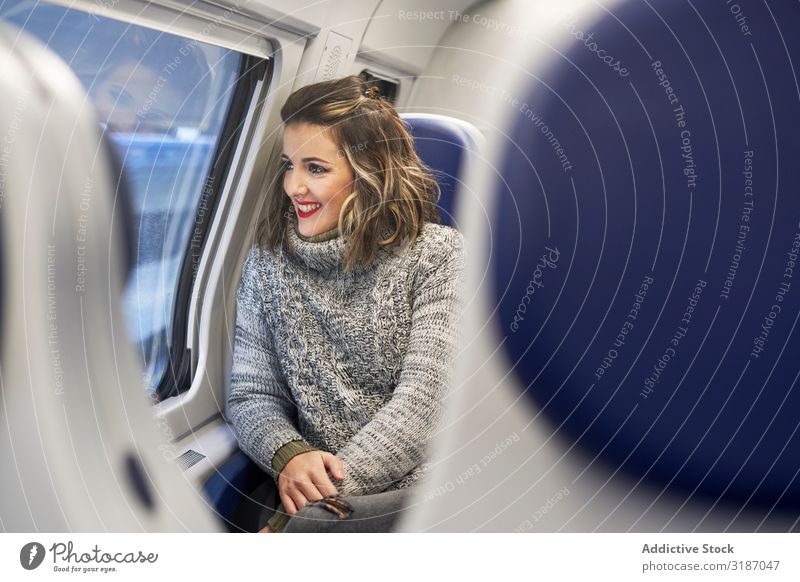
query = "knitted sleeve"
{"x": 260, "y": 406}
{"x": 394, "y": 441}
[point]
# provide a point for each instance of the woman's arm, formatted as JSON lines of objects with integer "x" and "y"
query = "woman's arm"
{"x": 394, "y": 441}
{"x": 260, "y": 406}
{"x": 262, "y": 410}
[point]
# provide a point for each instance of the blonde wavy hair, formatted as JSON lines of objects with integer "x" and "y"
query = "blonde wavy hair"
{"x": 394, "y": 194}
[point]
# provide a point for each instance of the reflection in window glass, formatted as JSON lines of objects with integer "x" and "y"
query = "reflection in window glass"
{"x": 162, "y": 101}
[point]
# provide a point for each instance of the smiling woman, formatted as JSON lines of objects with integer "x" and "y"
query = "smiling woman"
{"x": 338, "y": 129}
{"x": 346, "y": 323}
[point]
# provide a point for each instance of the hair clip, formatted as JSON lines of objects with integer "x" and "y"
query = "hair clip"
{"x": 373, "y": 92}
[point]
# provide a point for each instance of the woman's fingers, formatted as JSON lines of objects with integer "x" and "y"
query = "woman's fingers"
{"x": 288, "y": 504}
{"x": 301, "y": 491}
{"x": 334, "y": 465}
{"x": 324, "y": 484}
{"x": 309, "y": 490}
{"x": 305, "y": 479}
{"x": 298, "y": 501}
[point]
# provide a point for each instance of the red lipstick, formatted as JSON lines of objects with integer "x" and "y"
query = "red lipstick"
{"x": 305, "y": 214}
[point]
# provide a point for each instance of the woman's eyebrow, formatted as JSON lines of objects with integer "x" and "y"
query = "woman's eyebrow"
{"x": 312, "y": 159}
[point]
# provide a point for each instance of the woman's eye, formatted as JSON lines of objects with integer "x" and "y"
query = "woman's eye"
{"x": 287, "y": 165}
{"x": 316, "y": 170}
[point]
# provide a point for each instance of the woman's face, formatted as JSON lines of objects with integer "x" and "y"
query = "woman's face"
{"x": 317, "y": 178}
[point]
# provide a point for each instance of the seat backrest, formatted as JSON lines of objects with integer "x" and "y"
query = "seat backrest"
{"x": 64, "y": 214}
{"x": 667, "y": 276}
{"x": 632, "y": 266}
{"x": 444, "y": 144}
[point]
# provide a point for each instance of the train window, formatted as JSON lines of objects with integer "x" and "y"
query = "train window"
{"x": 165, "y": 103}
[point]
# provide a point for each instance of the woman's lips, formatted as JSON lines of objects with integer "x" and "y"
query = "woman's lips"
{"x": 306, "y": 209}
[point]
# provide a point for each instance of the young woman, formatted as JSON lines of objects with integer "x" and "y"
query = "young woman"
{"x": 347, "y": 311}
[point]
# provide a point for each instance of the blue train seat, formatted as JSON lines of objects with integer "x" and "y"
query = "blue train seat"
{"x": 444, "y": 144}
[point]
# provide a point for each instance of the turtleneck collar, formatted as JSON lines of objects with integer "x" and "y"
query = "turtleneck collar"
{"x": 325, "y": 251}
{"x": 325, "y": 236}
{"x": 322, "y": 252}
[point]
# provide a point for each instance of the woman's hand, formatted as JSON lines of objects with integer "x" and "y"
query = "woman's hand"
{"x": 305, "y": 478}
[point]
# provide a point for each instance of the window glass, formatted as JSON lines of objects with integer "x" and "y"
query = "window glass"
{"x": 162, "y": 101}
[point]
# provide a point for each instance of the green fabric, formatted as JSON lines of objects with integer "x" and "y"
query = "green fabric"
{"x": 278, "y": 520}
{"x": 287, "y": 452}
{"x": 325, "y": 236}
{"x": 280, "y": 459}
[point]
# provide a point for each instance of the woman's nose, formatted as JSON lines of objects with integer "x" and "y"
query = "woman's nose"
{"x": 295, "y": 186}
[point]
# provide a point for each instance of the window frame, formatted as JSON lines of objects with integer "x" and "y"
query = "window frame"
{"x": 178, "y": 374}
{"x": 212, "y": 308}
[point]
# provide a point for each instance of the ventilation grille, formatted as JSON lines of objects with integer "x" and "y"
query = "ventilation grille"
{"x": 189, "y": 459}
{"x": 334, "y": 57}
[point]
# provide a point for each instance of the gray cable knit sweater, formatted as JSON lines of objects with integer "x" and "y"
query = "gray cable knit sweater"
{"x": 356, "y": 363}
